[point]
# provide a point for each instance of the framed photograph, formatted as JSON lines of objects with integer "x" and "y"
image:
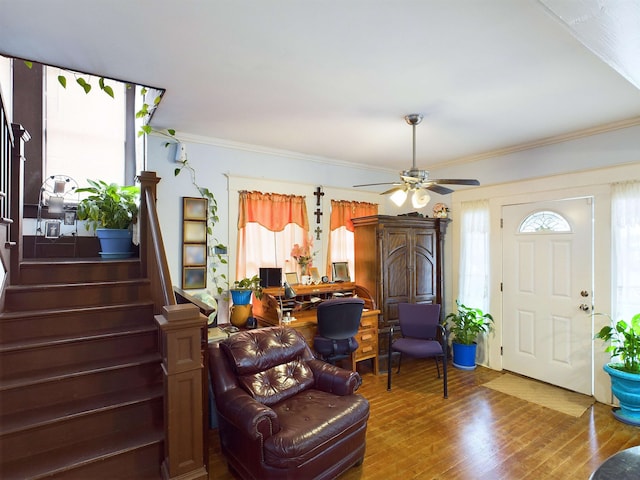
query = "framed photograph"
{"x": 51, "y": 229}
{"x": 194, "y": 277}
{"x": 194, "y": 208}
{"x": 291, "y": 278}
{"x": 194, "y": 255}
{"x": 194, "y": 232}
{"x": 340, "y": 271}
{"x": 315, "y": 275}
{"x": 69, "y": 218}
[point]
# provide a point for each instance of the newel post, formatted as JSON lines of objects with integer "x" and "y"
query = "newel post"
{"x": 181, "y": 327}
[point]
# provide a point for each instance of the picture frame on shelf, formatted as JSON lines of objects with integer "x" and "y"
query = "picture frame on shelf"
{"x": 315, "y": 275}
{"x": 52, "y": 229}
{"x": 291, "y": 278}
{"x": 340, "y": 271}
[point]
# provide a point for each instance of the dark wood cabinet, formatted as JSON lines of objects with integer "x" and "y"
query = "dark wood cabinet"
{"x": 399, "y": 260}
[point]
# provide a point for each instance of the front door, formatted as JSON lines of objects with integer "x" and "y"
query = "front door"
{"x": 547, "y": 290}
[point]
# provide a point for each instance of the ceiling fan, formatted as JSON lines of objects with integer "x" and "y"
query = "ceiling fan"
{"x": 418, "y": 181}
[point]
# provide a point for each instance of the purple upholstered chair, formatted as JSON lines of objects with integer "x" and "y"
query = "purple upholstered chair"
{"x": 422, "y": 337}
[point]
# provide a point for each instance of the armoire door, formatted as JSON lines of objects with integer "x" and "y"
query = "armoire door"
{"x": 424, "y": 245}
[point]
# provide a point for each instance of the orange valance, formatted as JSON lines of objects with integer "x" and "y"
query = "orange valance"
{"x": 272, "y": 210}
{"x": 342, "y": 211}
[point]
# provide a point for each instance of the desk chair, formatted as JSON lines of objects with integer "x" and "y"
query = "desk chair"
{"x": 422, "y": 337}
{"x": 338, "y": 324}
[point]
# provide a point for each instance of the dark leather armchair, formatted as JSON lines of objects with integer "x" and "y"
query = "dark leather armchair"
{"x": 282, "y": 414}
{"x": 423, "y": 336}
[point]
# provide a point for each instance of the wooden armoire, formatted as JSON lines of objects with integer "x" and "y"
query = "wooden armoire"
{"x": 399, "y": 260}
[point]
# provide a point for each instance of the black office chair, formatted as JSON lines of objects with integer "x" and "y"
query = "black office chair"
{"x": 338, "y": 324}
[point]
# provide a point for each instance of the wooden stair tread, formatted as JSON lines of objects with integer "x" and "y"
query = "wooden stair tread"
{"x": 59, "y": 413}
{"x": 39, "y": 342}
{"x": 94, "y": 309}
{"x": 63, "y": 286}
{"x": 59, "y": 460}
{"x": 87, "y": 368}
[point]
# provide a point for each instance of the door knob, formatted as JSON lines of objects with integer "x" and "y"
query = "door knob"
{"x": 584, "y": 307}
{"x": 584, "y": 293}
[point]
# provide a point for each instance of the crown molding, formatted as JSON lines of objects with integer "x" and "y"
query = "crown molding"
{"x": 587, "y": 132}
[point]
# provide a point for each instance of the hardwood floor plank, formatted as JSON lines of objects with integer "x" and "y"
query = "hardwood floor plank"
{"x": 476, "y": 433}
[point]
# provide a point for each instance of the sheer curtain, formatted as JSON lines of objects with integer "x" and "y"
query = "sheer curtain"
{"x": 625, "y": 261}
{"x": 341, "y": 243}
{"x": 269, "y": 224}
{"x": 474, "y": 254}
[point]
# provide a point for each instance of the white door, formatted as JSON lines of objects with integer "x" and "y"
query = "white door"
{"x": 547, "y": 290}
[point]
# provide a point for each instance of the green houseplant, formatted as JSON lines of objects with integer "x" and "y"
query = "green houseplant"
{"x": 241, "y": 293}
{"x": 465, "y": 325}
{"x": 110, "y": 209}
{"x": 624, "y": 343}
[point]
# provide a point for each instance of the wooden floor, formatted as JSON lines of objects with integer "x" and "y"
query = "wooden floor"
{"x": 477, "y": 433}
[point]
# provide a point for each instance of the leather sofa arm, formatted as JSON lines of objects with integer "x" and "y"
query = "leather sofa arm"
{"x": 332, "y": 379}
{"x": 248, "y": 415}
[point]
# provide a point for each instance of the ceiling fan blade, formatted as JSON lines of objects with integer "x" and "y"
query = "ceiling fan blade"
{"x": 392, "y": 190}
{"x": 438, "y": 189}
{"x": 456, "y": 181}
{"x": 373, "y": 184}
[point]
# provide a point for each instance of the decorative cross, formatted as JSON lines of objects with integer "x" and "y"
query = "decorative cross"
{"x": 318, "y": 231}
{"x": 317, "y": 213}
{"x": 318, "y": 193}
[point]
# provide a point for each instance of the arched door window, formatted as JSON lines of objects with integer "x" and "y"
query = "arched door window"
{"x": 544, "y": 221}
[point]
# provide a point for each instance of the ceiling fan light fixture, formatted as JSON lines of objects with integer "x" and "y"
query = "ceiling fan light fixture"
{"x": 399, "y": 196}
{"x": 420, "y": 198}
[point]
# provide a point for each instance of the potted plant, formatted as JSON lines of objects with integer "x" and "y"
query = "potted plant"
{"x": 624, "y": 342}
{"x": 110, "y": 210}
{"x": 466, "y": 325}
{"x": 241, "y": 293}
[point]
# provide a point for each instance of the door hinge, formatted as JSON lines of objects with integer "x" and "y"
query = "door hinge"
{"x": 500, "y": 350}
{"x": 501, "y": 222}
{"x": 500, "y": 286}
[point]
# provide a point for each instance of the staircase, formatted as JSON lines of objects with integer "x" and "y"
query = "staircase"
{"x": 81, "y": 385}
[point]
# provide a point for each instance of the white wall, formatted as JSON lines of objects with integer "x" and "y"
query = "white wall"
{"x": 225, "y": 170}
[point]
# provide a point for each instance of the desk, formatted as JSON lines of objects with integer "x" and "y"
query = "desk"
{"x": 624, "y": 465}
{"x": 273, "y": 307}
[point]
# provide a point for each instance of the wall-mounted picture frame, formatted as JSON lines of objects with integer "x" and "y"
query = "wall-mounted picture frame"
{"x": 315, "y": 275}
{"x": 340, "y": 272}
{"x": 194, "y": 277}
{"x": 194, "y": 208}
{"x": 51, "y": 229}
{"x": 194, "y": 232}
{"x": 291, "y": 278}
{"x": 194, "y": 255}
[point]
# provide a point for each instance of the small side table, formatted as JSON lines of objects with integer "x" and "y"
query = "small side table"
{"x": 621, "y": 466}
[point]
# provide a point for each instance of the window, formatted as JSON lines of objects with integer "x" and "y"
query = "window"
{"x": 269, "y": 224}
{"x": 84, "y": 133}
{"x": 544, "y": 221}
{"x": 341, "y": 238}
{"x": 474, "y": 254}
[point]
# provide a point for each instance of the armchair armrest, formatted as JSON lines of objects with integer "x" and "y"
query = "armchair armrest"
{"x": 332, "y": 379}
{"x": 248, "y": 415}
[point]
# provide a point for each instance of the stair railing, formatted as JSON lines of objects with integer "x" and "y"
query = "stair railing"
{"x": 181, "y": 332}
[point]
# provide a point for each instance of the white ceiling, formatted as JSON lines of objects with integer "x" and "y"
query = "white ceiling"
{"x": 334, "y": 78}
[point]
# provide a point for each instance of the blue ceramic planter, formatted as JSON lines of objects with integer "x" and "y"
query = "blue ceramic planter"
{"x": 114, "y": 243}
{"x": 241, "y": 297}
{"x": 626, "y": 388}
{"x": 464, "y": 356}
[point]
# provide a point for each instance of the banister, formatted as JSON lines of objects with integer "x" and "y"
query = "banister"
{"x": 181, "y": 329}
